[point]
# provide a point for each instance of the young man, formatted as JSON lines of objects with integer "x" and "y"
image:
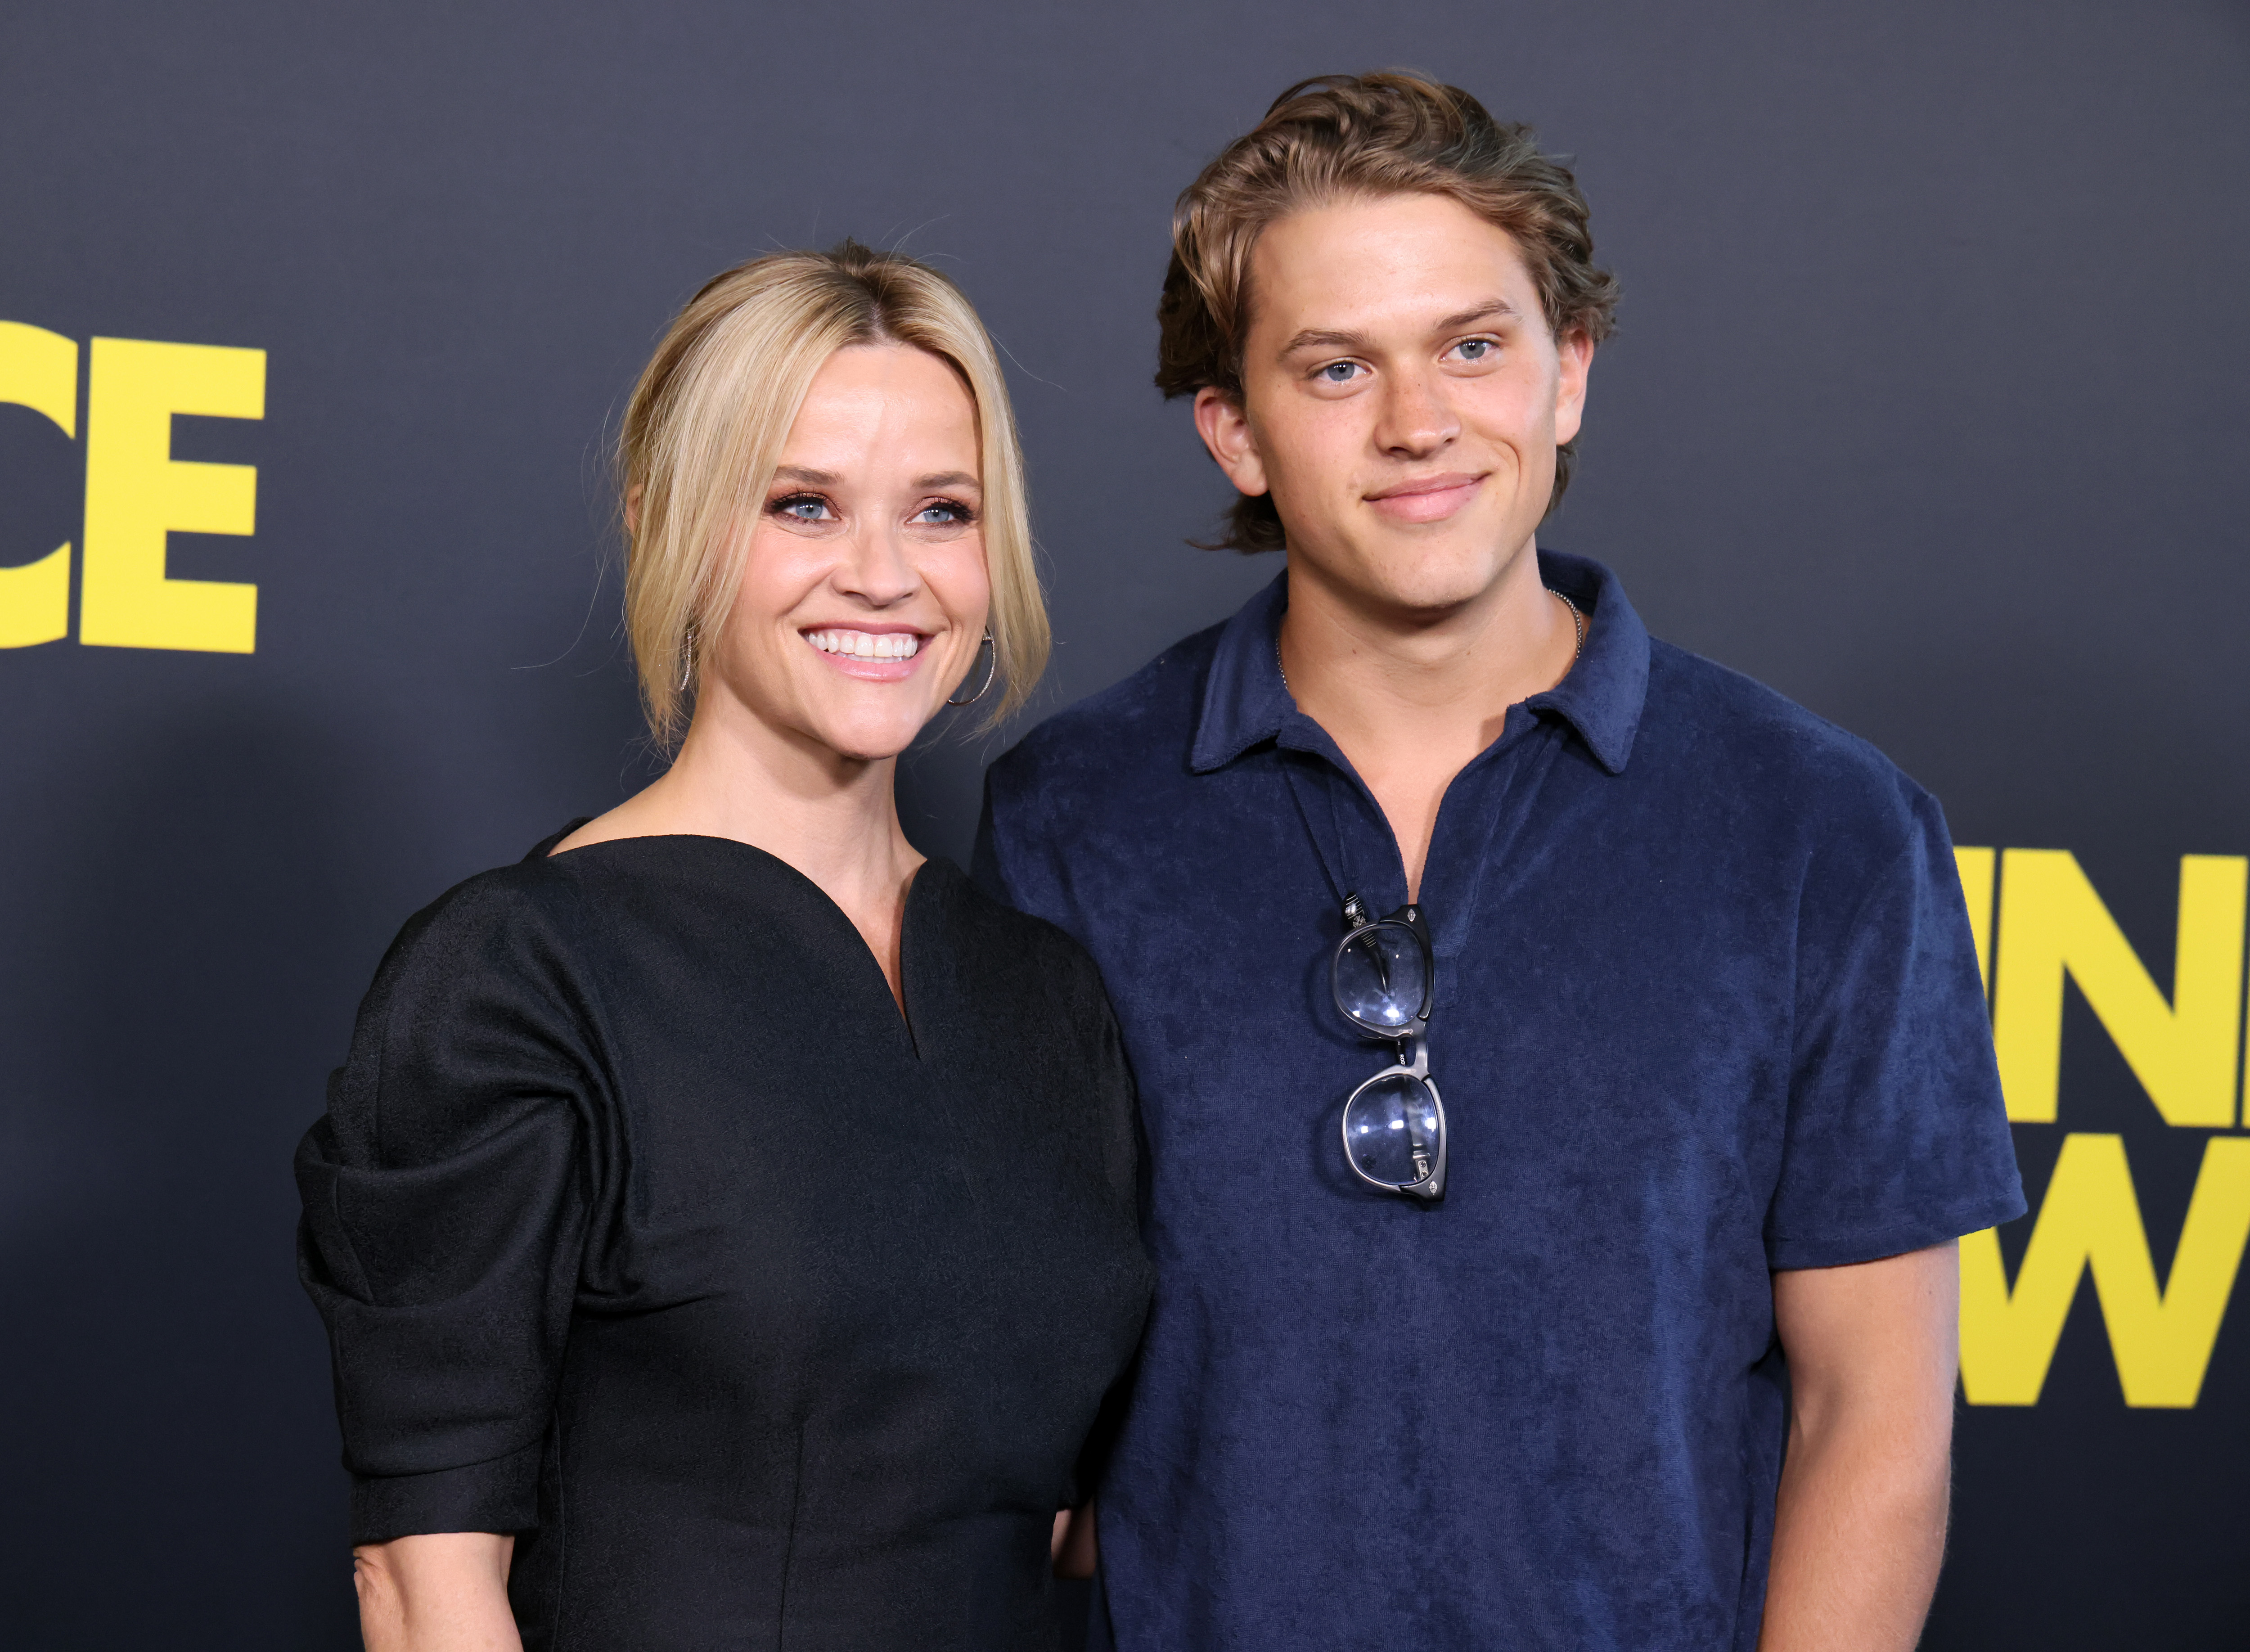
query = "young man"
{"x": 1502, "y": 1247}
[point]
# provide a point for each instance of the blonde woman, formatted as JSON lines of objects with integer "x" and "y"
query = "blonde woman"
{"x": 725, "y": 1221}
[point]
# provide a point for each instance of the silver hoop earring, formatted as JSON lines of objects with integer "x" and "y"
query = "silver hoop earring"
{"x": 688, "y": 660}
{"x": 992, "y": 669}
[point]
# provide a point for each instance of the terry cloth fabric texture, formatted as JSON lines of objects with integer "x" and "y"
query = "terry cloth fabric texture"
{"x": 1706, "y": 1007}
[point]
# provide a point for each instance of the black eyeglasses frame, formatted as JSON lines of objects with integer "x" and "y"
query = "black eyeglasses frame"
{"x": 1412, "y": 1042}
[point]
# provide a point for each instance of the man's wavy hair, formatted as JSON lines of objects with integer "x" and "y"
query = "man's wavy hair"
{"x": 1341, "y": 137}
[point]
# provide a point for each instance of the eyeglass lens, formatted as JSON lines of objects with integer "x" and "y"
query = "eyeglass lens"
{"x": 1381, "y": 978}
{"x": 1390, "y": 1129}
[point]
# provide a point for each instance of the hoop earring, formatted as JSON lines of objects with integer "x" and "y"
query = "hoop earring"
{"x": 688, "y": 661}
{"x": 991, "y": 670}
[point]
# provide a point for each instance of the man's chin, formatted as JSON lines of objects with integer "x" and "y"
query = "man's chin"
{"x": 1429, "y": 588}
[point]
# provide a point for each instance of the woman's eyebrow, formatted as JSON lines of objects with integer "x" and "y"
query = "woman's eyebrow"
{"x": 807, "y": 477}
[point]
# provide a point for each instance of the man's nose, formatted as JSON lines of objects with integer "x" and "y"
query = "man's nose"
{"x": 1417, "y": 418}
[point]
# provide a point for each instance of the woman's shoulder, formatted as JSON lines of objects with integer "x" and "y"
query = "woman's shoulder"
{"x": 480, "y": 1002}
{"x": 514, "y": 916}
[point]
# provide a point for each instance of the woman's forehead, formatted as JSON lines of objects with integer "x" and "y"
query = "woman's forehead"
{"x": 888, "y": 406}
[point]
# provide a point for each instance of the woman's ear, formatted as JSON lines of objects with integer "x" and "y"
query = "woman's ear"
{"x": 632, "y": 508}
{"x": 1225, "y": 430}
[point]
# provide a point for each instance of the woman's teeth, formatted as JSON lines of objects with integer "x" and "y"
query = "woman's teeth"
{"x": 866, "y": 645}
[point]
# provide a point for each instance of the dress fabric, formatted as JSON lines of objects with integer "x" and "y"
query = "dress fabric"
{"x": 644, "y": 1227}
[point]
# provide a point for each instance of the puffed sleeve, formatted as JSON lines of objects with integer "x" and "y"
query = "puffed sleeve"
{"x": 1897, "y": 1136}
{"x": 446, "y": 1194}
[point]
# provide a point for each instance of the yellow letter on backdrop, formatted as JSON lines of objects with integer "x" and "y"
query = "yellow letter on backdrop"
{"x": 2161, "y": 1339}
{"x": 2182, "y": 1052}
{"x": 136, "y": 493}
{"x": 38, "y": 369}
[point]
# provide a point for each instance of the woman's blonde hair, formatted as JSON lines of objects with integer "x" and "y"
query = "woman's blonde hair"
{"x": 707, "y": 424}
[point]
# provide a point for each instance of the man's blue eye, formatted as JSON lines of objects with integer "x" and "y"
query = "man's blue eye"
{"x": 1474, "y": 349}
{"x": 1339, "y": 372}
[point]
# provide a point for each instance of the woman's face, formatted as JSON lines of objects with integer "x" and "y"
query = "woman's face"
{"x": 864, "y": 590}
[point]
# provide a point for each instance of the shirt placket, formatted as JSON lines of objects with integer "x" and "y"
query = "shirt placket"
{"x": 1482, "y": 817}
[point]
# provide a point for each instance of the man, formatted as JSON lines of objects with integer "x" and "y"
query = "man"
{"x": 1661, "y": 1167}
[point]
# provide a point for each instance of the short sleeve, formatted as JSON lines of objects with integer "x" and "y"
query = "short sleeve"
{"x": 1897, "y": 1139}
{"x": 445, "y": 1212}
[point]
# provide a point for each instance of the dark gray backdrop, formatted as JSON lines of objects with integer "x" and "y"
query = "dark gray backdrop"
{"x": 1928, "y": 407}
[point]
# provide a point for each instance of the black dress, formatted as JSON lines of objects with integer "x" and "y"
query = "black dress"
{"x": 645, "y": 1227}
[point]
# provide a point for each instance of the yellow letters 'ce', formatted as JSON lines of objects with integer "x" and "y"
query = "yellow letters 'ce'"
{"x": 135, "y": 491}
{"x": 38, "y": 369}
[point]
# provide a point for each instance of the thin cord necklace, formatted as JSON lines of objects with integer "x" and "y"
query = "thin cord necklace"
{"x": 1578, "y": 623}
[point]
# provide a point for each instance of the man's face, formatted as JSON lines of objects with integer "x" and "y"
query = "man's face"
{"x": 1402, "y": 400}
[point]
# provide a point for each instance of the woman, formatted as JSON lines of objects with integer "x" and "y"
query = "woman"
{"x": 725, "y": 1222}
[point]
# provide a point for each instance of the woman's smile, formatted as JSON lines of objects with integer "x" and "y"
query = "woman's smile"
{"x": 885, "y": 655}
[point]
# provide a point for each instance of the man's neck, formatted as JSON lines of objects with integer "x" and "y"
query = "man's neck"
{"x": 1409, "y": 697}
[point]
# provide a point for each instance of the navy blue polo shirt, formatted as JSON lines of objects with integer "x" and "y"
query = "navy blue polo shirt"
{"x": 1706, "y": 1007}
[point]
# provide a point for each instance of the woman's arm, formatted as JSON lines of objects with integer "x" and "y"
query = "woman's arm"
{"x": 444, "y": 1592}
{"x": 447, "y": 1192}
{"x": 1074, "y": 1551}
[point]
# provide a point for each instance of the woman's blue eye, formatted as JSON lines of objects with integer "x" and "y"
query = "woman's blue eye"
{"x": 805, "y": 508}
{"x": 942, "y": 515}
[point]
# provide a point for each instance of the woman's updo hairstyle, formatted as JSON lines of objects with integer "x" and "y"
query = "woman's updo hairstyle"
{"x": 707, "y": 424}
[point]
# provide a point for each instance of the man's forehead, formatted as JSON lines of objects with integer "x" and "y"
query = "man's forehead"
{"x": 1423, "y": 261}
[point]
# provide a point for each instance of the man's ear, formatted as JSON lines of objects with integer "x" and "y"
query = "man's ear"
{"x": 1574, "y": 359}
{"x": 1224, "y": 429}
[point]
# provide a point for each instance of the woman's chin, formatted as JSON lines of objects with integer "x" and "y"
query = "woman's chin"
{"x": 870, "y": 736}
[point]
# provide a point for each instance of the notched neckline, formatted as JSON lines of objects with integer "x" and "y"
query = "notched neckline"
{"x": 902, "y": 1004}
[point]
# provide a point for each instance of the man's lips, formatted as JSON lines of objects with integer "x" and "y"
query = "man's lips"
{"x": 1426, "y": 499}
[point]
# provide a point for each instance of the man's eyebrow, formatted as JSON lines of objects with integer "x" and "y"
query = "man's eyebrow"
{"x": 1485, "y": 312}
{"x": 1326, "y": 339}
{"x": 1360, "y": 343}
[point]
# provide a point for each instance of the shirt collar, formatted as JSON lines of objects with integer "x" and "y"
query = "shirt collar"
{"x": 1245, "y": 703}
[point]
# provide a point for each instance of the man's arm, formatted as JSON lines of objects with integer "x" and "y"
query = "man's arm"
{"x": 1859, "y": 1526}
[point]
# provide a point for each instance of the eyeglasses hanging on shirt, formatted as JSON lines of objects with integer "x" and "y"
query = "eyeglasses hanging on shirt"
{"x": 1394, "y": 1125}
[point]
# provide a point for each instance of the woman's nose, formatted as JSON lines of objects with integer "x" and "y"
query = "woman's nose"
{"x": 878, "y": 571}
